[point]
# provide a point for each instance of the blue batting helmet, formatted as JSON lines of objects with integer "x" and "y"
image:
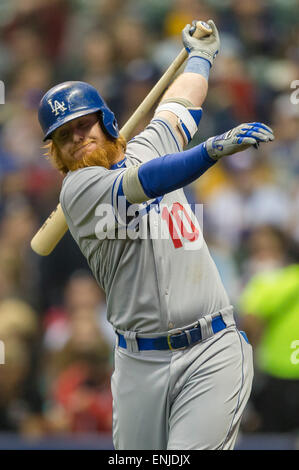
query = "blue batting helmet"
{"x": 70, "y": 100}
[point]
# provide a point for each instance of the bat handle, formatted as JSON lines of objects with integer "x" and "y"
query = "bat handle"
{"x": 200, "y": 29}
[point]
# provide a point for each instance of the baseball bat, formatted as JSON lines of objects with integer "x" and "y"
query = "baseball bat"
{"x": 55, "y": 227}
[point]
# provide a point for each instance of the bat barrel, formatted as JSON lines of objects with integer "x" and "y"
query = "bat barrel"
{"x": 51, "y": 232}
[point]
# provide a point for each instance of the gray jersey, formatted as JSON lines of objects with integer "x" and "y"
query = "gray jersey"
{"x": 153, "y": 283}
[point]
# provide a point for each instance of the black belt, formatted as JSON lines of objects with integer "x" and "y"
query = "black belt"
{"x": 173, "y": 341}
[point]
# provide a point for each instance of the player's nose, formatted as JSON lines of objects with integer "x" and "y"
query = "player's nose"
{"x": 78, "y": 134}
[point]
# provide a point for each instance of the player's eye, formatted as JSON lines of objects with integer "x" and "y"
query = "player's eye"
{"x": 63, "y": 135}
{"x": 84, "y": 124}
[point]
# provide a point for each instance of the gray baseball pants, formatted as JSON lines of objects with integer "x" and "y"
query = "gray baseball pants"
{"x": 184, "y": 399}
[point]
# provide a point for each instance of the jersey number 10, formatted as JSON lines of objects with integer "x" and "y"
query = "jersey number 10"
{"x": 177, "y": 219}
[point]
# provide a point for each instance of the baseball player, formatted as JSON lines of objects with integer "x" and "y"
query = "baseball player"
{"x": 183, "y": 371}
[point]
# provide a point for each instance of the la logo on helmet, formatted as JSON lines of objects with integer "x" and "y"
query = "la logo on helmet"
{"x": 57, "y": 107}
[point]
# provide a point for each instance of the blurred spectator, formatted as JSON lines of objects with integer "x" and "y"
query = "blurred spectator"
{"x": 284, "y": 155}
{"x": 269, "y": 307}
{"x": 294, "y": 220}
{"x": 20, "y": 397}
{"x": 97, "y": 61}
{"x": 77, "y": 362}
{"x": 21, "y": 134}
{"x": 137, "y": 81}
{"x": 13, "y": 408}
{"x": 18, "y": 320}
{"x": 234, "y": 87}
{"x": 172, "y": 21}
{"x": 17, "y": 227}
{"x": 81, "y": 400}
{"x": 80, "y": 293}
{"x": 249, "y": 198}
{"x": 9, "y": 275}
{"x": 131, "y": 40}
{"x": 183, "y": 12}
{"x": 45, "y": 20}
{"x": 24, "y": 44}
{"x": 267, "y": 248}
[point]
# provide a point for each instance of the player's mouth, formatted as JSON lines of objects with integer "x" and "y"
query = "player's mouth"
{"x": 88, "y": 147}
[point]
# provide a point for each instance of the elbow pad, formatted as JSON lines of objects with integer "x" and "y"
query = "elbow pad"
{"x": 188, "y": 116}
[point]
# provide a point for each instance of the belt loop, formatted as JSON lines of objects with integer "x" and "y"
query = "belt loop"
{"x": 117, "y": 337}
{"x": 227, "y": 316}
{"x": 188, "y": 335}
{"x": 206, "y": 326}
{"x": 131, "y": 341}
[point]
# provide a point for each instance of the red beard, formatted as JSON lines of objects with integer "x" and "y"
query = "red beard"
{"x": 105, "y": 155}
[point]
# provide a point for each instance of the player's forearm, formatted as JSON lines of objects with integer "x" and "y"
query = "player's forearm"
{"x": 189, "y": 90}
{"x": 188, "y": 93}
{"x": 190, "y": 86}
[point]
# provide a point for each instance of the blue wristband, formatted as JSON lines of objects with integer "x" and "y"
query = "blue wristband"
{"x": 198, "y": 65}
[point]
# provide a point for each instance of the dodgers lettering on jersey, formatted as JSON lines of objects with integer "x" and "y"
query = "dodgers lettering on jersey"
{"x": 162, "y": 279}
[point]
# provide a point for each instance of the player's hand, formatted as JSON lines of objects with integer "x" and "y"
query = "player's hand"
{"x": 207, "y": 47}
{"x": 237, "y": 139}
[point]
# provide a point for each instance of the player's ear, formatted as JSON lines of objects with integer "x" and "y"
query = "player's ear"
{"x": 103, "y": 128}
{"x": 100, "y": 120}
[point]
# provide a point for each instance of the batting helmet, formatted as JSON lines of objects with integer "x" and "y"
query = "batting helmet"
{"x": 70, "y": 100}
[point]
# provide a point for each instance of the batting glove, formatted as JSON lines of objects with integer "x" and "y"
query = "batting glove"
{"x": 206, "y": 47}
{"x": 238, "y": 139}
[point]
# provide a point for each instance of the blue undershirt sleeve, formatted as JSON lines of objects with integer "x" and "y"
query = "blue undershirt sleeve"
{"x": 165, "y": 174}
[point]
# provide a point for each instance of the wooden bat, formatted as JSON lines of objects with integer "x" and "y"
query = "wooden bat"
{"x": 54, "y": 228}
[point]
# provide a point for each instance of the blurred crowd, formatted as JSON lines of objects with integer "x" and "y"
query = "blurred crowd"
{"x": 58, "y": 344}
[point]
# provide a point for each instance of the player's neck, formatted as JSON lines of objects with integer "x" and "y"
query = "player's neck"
{"x": 118, "y": 158}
